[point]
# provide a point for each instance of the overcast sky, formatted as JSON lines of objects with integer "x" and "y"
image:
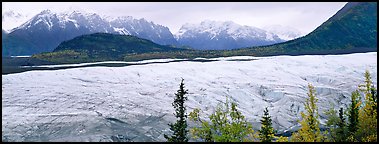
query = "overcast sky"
{"x": 304, "y": 16}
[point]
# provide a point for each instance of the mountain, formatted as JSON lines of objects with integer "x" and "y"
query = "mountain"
{"x": 143, "y": 29}
{"x": 284, "y": 32}
{"x": 17, "y": 44}
{"x": 218, "y": 35}
{"x": 3, "y": 33}
{"x": 351, "y": 29}
{"x": 47, "y": 29}
{"x": 3, "y": 36}
{"x": 102, "y": 46}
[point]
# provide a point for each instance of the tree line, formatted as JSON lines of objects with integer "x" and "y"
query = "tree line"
{"x": 358, "y": 123}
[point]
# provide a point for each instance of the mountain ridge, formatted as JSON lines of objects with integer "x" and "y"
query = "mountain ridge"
{"x": 47, "y": 29}
{"x": 44, "y": 31}
{"x": 354, "y": 31}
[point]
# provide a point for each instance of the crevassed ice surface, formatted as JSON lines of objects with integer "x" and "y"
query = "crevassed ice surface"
{"x": 133, "y": 103}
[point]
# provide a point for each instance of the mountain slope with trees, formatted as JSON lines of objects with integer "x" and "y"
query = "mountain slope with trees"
{"x": 102, "y": 46}
{"x": 352, "y": 29}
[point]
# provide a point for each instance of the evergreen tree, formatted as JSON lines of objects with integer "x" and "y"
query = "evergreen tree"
{"x": 353, "y": 115}
{"x": 336, "y": 125}
{"x": 374, "y": 93}
{"x": 179, "y": 128}
{"x": 342, "y": 119}
{"x": 331, "y": 123}
{"x": 266, "y": 134}
{"x": 341, "y": 127}
{"x": 309, "y": 131}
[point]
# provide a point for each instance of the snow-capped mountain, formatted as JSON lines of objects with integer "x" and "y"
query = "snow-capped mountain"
{"x": 218, "y": 35}
{"x": 284, "y": 32}
{"x": 47, "y": 29}
{"x": 44, "y": 32}
{"x": 11, "y": 19}
{"x": 143, "y": 29}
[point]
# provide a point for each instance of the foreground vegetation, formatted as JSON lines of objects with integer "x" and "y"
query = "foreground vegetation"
{"x": 357, "y": 124}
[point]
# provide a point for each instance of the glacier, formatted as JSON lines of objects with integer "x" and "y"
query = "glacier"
{"x": 133, "y": 103}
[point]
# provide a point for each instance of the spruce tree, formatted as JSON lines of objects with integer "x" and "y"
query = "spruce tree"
{"x": 374, "y": 94}
{"x": 266, "y": 134}
{"x": 341, "y": 127}
{"x": 353, "y": 115}
{"x": 332, "y": 124}
{"x": 180, "y": 127}
{"x": 342, "y": 119}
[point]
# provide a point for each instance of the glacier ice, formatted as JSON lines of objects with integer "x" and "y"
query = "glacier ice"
{"x": 134, "y": 102}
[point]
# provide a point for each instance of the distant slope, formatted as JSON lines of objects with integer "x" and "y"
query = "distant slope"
{"x": 352, "y": 29}
{"x": 13, "y": 44}
{"x": 102, "y": 46}
{"x": 3, "y": 33}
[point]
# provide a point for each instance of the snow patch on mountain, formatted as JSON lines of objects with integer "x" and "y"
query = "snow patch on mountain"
{"x": 284, "y": 32}
{"x": 216, "y": 28}
{"x": 122, "y": 31}
{"x": 43, "y": 17}
{"x": 223, "y": 35}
